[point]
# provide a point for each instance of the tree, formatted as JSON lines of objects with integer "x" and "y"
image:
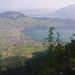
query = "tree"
{"x": 59, "y": 56}
{"x": 58, "y": 37}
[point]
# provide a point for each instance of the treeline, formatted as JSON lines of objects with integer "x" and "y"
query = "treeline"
{"x": 59, "y": 59}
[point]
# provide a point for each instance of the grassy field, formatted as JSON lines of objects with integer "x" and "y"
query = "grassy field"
{"x": 24, "y": 49}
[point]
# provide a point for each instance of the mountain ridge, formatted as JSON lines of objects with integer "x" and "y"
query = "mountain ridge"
{"x": 12, "y": 15}
{"x": 67, "y": 12}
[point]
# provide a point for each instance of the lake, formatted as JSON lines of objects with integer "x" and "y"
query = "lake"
{"x": 41, "y": 32}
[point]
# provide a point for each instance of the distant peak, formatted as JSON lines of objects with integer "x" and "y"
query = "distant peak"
{"x": 12, "y": 15}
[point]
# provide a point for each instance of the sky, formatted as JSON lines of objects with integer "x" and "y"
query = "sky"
{"x": 30, "y": 4}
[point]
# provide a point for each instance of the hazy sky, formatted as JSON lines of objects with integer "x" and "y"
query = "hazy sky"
{"x": 28, "y": 4}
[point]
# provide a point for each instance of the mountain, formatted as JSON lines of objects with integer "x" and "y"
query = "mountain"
{"x": 37, "y": 12}
{"x": 12, "y": 15}
{"x": 66, "y": 22}
{"x": 19, "y": 19}
{"x": 67, "y": 12}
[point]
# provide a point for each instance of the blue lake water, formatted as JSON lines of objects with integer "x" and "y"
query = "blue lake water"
{"x": 41, "y": 32}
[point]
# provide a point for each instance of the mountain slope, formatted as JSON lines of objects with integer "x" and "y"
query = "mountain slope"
{"x": 12, "y": 15}
{"x": 37, "y": 12}
{"x": 67, "y": 12}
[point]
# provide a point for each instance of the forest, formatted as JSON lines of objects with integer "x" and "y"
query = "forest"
{"x": 57, "y": 58}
